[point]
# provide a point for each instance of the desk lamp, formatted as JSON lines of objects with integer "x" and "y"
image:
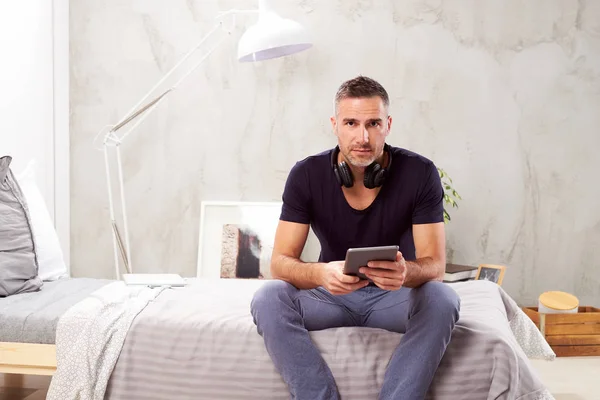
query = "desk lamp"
{"x": 270, "y": 37}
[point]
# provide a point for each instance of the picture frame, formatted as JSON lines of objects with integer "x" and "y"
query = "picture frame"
{"x": 236, "y": 239}
{"x": 490, "y": 272}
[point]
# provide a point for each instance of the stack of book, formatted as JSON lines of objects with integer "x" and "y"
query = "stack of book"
{"x": 459, "y": 273}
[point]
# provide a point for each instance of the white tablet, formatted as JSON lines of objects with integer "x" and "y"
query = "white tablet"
{"x": 154, "y": 280}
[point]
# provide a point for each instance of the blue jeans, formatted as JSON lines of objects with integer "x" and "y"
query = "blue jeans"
{"x": 426, "y": 315}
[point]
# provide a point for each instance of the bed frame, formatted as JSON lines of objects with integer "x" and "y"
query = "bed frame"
{"x": 27, "y": 358}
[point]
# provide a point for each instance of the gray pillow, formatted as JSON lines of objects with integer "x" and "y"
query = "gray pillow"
{"x": 18, "y": 261}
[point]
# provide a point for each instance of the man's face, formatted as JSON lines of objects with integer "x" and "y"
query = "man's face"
{"x": 361, "y": 126}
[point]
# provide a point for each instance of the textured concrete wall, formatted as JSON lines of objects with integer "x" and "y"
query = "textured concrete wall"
{"x": 504, "y": 95}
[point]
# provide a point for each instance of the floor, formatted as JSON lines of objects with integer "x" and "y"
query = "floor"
{"x": 571, "y": 378}
{"x": 22, "y": 394}
{"x": 568, "y": 378}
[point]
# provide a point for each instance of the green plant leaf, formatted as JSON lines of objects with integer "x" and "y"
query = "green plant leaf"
{"x": 446, "y": 217}
{"x": 448, "y": 192}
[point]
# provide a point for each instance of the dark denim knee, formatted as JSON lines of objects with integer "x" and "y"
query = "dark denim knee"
{"x": 268, "y": 297}
{"x": 437, "y": 299}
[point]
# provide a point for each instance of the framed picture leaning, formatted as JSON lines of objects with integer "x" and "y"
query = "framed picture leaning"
{"x": 236, "y": 239}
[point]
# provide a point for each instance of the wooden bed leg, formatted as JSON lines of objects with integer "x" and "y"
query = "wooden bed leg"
{"x": 14, "y": 380}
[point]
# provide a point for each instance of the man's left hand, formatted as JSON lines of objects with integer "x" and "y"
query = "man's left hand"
{"x": 388, "y": 275}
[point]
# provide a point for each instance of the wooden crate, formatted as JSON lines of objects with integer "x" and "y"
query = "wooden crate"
{"x": 570, "y": 334}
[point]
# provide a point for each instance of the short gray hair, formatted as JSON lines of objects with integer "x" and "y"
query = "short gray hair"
{"x": 361, "y": 86}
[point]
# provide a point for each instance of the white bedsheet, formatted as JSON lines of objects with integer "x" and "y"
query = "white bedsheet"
{"x": 89, "y": 338}
{"x": 200, "y": 342}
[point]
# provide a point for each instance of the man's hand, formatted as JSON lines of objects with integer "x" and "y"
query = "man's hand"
{"x": 388, "y": 275}
{"x": 336, "y": 282}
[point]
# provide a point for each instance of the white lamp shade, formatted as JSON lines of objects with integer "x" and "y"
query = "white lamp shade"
{"x": 271, "y": 37}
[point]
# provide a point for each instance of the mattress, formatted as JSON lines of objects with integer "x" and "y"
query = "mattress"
{"x": 200, "y": 342}
{"x": 32, "y": 317}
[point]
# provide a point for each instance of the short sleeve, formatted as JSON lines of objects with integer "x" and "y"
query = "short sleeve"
{"x": 429, "y": 207}
{"x": 296, "y": 196}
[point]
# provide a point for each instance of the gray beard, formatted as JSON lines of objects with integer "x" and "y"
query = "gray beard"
{"x": 360, "y": 163}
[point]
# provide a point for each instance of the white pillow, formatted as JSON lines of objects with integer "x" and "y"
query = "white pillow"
{"x": 47, "y": 246}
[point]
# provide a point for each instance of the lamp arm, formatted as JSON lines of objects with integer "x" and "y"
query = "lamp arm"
{"x": 142, "y": 110}
{"x": 138, "y": 109}
{"x": 156, "y": 101}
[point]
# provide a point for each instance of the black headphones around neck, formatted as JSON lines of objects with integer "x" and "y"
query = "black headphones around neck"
{"x": 375, "y": 174}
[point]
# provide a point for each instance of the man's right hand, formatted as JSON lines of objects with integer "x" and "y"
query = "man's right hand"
{"x": 336, "y": 282}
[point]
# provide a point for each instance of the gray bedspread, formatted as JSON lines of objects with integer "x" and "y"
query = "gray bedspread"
{"x": 32, "y": 317}
{"x": 200, "y": 343}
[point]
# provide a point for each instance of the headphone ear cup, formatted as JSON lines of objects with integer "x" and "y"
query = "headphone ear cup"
{"x": 346, "y": 175}
{"x": 371, "y": 174}
{"x": 342, "y": 173}
{"x": 338, "y": 178}
{"x": 380, "y": 177}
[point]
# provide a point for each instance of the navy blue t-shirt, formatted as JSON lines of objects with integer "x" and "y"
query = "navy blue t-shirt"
{"x": 411, "y": 194}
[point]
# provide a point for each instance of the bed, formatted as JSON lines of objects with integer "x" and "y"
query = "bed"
{"x": 28, "y": 324}
{"x": 101, "y": 339}
{"x": 199, "y": 342}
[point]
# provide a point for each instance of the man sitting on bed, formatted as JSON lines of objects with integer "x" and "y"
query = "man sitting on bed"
{"x": 355, "y": 196}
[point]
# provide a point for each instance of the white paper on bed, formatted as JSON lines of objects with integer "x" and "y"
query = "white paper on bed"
{"x": 200, "y": 342}
{"x": 89, "y": 338}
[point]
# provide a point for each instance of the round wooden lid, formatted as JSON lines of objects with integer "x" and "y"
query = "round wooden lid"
{"x": 559, "y": 300}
